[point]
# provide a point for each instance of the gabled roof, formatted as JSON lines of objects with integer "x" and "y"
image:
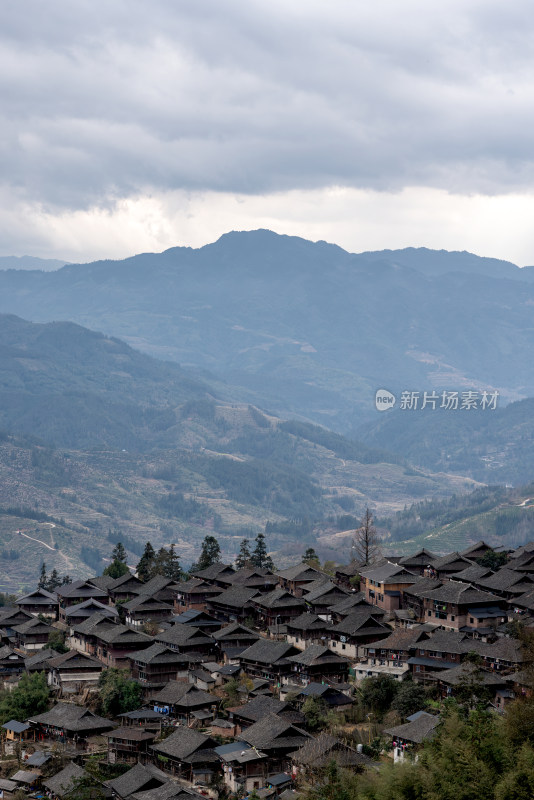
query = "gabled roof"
{"x": 300, "y": 572}
{"x": 74, "y": 660}
{"x": 350, "y": 602}
{"x": 179, "y": 634}
{"x": 325, "y": 747}
{"x": 387, "y": 572}
{"x": 308, "y": 622}
{"x": 475, "y": 548}
{"x": 452, "y": 561}
{"x": 94, "y": 624}
{"x": 183, "y": 743}
{"x": 91, "y": 606}
{"x": 80, "y": 589}
{"x": 359, "y": 621}
{"x": 267, "y": 651}
{"x": 235, "y": 631}
{"x": 257, "y": 708}
{"x": 72, "y": 718}
{"x": 101, "y": 581}
{"x": 159, "y": 654}
{"x": 127, "y": 578}
{"x": 136, "y": 779}
{"x": 459, "y": 593}
{"x": 422, "y": 585}
{"x": 37, "y": 597}
{"x": 235, "y": 596}
{"x": 424, "y": 727}
{"x": 456, "y": 676}
{"x": 155, "y": 585}
{"x": 213, "y": 572}
{"x": 147, "y": 602}
{"x": 63, "y": 782}
{"x": 505, "y": 579}
{"x": 322, "y": 591}
{"x": 316, "y": 654}
{"x": 39, "y": 660}
{"x": 120, "y": 634}
{"x": 183, "y": 694}
{"x": 33, "y": 625}
{"x": 274, "y": 731}
{"x": 402, "y": 639}
{"x": 278, "y": 598}
{"x": 421, "y": 558}
{"x": 472, "y": 574}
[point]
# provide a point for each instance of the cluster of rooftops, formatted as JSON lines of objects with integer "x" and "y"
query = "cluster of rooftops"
{"x": 296, "y": 633}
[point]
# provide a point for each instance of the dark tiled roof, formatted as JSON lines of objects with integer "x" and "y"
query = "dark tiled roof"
{"x": 504, "y": 579}
{"x": 235, "y": 631}
{"x": 74, "y": 660}
{"x": 183, "y": 743}
{"x": 39, "y": 659}
{"x": 422, "y": 728}
{"x": 179, "y": 634}
{"x": 63, "y": 782}
{"x": 359, "y": 620}
{"x": 33, "y": 625}
{"x": 472, "y": 574}
{"x": 235, "y": 596}
{"x": 299, "y": 572}
{"x": 421, "y": 586}
{"x": 38, "y": 597}
{"x": 211, "y": 573}
{"x": 257, "y": 708}
{"x": 459, "y": 593}
{"x": 278, "y": 598}
{"x": 316, "y": 653}
{"x": 324, "y": 747}
{"x": 272, "y": 731}
{"x": 135, "y": 779}
{"x": 183, "y": 694}
{"x": 267, "y": 651}
{"x": 389, "y": 571}
{"x": 307, "y": 622}
{"x": 72, "y": 718}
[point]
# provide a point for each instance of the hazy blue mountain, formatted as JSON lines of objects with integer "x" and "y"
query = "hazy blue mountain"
{"x": 307, "y": 328}
{"x": 31, "y": 262}
{"x": 97, "y": 437}
{"x": 495, "y": 447}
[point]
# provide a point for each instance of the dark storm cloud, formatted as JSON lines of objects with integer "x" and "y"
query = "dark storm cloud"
{"x": 104, "y": 100}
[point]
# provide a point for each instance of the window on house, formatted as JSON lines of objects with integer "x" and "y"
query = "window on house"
{"x": 429, "y": 613}
{"x": 471, "y": 621}
{"x": 452, "y": 617}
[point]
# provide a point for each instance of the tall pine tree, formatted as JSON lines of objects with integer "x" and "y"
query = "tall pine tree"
{"x": 260, "y": 557}
{"x": 146, "y": 563}
{"x": 244, "y": 557}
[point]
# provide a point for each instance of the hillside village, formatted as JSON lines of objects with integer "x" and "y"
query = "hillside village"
{"x": 241, "y": 681}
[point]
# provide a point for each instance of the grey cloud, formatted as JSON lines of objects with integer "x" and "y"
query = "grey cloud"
{"x": 103, "y": 100}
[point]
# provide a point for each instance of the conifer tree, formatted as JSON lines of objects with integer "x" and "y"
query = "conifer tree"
{"x": 260, "y": 557}
{"x": 146, "y": 563}
{"x": 118, "y": 566}
{"x": 210, "y": 554}
{"x": 244, "y": 557}
{"x": 43, "y": 579}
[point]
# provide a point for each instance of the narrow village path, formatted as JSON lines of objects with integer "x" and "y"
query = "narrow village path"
{"x": 37, "y": 540}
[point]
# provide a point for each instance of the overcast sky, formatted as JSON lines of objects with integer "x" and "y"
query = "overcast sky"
{"x": 129, "y": 126}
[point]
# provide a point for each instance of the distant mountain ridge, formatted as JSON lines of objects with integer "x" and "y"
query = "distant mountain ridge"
{"x": 96, "y": 437}
{"x": 31, "y": 263}
{"x": 306, "y": 329}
